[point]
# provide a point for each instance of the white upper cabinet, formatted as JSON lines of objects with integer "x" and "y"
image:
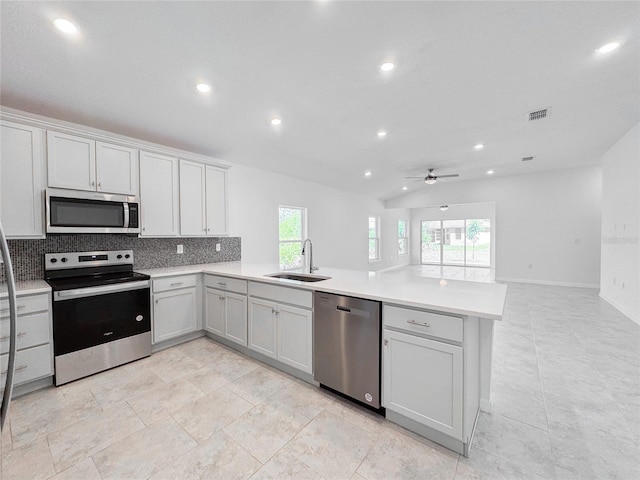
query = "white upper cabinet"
{"x": 159, "y": 195}
{"x": 83, "y": 164}
{"x": 71, "y": 161}
{"x": 192, "y": 199}
{"x": 116, "y": 169}
{"x": 203, "y": 200}
{"x": 216, "y": 201}
{"x": 22, "y": 180}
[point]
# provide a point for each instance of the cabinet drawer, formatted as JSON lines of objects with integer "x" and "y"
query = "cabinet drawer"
{"x": 226, "y": 283}
{"x": 31, "y": 363}
{"x": 293, "y": 296}
{"x": 171, "y": 283}
{"x": 31, "y": 330}
{"x": 28, "y": 304}
{"x": 419, "y": 321}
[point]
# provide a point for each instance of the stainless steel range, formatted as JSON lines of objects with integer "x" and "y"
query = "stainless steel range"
{"x": 101, "y": 312}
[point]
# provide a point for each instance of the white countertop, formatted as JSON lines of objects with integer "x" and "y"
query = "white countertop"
{"x": 484, "y": 300}
{"x": 27, "y": 287}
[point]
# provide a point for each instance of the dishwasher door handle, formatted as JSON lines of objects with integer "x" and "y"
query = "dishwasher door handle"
{"x": 343, "y": 309}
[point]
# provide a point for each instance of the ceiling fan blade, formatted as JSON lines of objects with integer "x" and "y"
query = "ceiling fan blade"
{"x": 417, "y": 177}
{"x": 447, "y": 176}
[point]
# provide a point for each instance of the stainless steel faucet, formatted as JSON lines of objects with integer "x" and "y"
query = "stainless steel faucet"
{"x": 312, "y": 268}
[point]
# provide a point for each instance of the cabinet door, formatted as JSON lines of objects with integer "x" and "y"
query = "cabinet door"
{"x": 192, "y": 199}
{"x": 158, "y": 195}
{"x": 116, "y": 169}
{"x": 21, "y": 180}
{"x": 214, "y": 311}
{"x": 423, "y": 381}
{"x": 236, "y": 318}
{"x": 216, "y": 201}
{"x": 71, "y": 161}
{"x": 262, "y": 327}
{"x": 295, "y": 329}
{"x": 174, "y": 314}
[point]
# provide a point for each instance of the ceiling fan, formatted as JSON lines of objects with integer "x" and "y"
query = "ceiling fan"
{"x": 430, "y": 179}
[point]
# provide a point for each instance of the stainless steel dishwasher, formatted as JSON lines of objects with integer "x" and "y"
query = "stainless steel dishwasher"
{"x": 346, "y": 346}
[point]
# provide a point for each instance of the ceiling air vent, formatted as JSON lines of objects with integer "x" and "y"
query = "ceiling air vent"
{"x": 527, "y": 159}
{"x": 539, "y": 114}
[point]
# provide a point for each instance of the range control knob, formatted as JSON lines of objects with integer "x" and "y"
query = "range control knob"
{"x": 63, "y": 259}
{"x": 127, "y": 256}
{"x": 119, "y": 256}
{"x": 53, "y": 260}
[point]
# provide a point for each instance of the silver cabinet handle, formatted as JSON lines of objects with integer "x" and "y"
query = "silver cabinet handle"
{"x": 144, "y": 229}
{"x": 93, "y": 183}
{"x": 273, "y": 312}
{"x": 222, "y": 284}
{"x": 386, "y": 342}
{"x": 413, "y": 322}
{"x": 18, "y": 369}
{"x": 6, "y": 337}
{"x": 19, "y": 307}
{"x": 99, "y": 185}
{"x": 222, "y": 299}
{"x": 177, "y": 284}
{"x": 157, "y": 301}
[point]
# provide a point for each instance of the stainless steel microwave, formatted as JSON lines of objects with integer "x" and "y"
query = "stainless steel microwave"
{"x": 71, "y": 211}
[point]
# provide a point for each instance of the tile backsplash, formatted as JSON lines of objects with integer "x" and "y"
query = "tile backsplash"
{"x": 28, "y": 255}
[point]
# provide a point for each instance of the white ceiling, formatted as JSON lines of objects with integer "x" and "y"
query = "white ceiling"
{"x": 467, "y": 73}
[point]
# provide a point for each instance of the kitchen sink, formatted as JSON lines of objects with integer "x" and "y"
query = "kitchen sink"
{"x": 301, "y": 277}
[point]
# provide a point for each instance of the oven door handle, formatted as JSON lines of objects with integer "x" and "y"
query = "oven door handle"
{"x": 102, "y": 289}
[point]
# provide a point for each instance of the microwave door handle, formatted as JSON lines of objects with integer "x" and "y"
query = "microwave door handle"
{"x": 126, "y": 214}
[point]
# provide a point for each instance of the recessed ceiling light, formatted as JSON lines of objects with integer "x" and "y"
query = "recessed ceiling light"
{"x": 276, "y": 121}
{"x": 405, "y": 187}
{"x": 382, "y": 133}
{"x": 479, "y": 146}
{"x": 490, "y": 172}
{"x": 609, "y": 47}
{"x": 387, "y": 67}
{"x": 203, "y": 88}
{"x": 65, "y": 26}
{"x": 367, "y": 173}
{"x": 444, "y": 208}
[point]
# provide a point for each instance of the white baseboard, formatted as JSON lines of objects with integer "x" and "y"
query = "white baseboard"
{"x": 621, "y": 309}
{"x": 548, "y": 282}
{"x": 486, "y": 405}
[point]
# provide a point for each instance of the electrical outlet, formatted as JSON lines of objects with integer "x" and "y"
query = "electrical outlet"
{"x": 218, "y": 247}
{"x": 180, "y": 249}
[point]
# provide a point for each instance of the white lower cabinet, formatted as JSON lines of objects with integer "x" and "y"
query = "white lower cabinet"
{"x": 279, "y": 330}
{"x": 263, "y": 327}
{"x": 226, "y": 308}
{"x": 34, "y": 356}
{"x": 174, "y": 308}
{"x": 226, "y": 315}
{"x": 423, "y": 381}
{"x": 295, "y": 337}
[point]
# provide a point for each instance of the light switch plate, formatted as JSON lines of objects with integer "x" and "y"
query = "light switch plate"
{"x": 217, "y": 247}
{"x": 180, "y": 249}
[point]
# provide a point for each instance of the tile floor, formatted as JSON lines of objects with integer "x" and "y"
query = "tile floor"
{"x": 566, "y": 391}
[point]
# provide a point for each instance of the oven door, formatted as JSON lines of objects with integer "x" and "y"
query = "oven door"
{"x": 87, "y": 317}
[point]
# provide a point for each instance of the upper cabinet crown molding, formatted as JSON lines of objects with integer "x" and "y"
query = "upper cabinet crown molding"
{"x": 46, "y": 123}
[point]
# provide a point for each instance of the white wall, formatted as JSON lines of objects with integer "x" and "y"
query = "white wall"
{"x": 547, "y": 224}
{"x": 337, "y": 220}
{"x": 455, "y": 212}
{"x": 620, "y": 261}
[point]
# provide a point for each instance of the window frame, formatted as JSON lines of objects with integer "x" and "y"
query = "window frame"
{"x": 378, "y": 256}
{"x": 405, "y": 238}
{"x": 303, "y": 235}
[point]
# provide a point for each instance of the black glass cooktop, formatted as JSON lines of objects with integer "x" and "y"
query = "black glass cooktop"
{"x": 94, "y": 280}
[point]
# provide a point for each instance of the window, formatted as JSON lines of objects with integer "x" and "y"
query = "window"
{"x": 403, "y": 238}
{"x": 292, "y": 230}
{"x": 374, "y": 238}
